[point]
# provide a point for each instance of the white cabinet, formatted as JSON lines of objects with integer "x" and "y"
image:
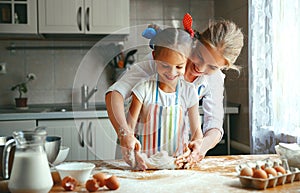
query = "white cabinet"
{"x": 8, "y": 127}
{"x": 88, "y": 139}
{"x": 105, "y": 139}
{"x": 18, "y": 16}
{"x": 84, "y": 16}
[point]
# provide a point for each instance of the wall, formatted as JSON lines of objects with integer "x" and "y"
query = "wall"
{"x": 56, "y": 68}
{"x": 236, "y": 87}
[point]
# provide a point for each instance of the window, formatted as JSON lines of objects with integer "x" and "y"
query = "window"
{"x": 274, "y": 73}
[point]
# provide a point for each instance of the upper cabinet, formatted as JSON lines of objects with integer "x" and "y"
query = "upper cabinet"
{"x": 83, "y": 16}
{"x": 18, "y": 16}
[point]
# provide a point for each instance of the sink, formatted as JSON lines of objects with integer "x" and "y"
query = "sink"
{"x": 77, "y": 108}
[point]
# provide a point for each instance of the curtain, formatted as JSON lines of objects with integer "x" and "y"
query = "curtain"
{"x": 274, "y": 73}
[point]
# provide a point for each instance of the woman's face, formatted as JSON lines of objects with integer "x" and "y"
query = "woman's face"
{"x": 170, "y": 65}
{"x": 204, "y": 60}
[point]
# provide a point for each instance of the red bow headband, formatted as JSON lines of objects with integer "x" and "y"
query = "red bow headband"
{"x": 187, "y": 22}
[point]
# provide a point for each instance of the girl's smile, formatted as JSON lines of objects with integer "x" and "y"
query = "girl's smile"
{"x": 170, "y": 66}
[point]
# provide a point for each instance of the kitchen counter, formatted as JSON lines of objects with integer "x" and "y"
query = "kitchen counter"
{"x": 69, "y": 111}
{"x": 52, "y": 111}
{"x": 214, "y": 174}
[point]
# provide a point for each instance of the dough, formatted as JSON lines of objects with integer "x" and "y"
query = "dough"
{"x": 160, "y": 160}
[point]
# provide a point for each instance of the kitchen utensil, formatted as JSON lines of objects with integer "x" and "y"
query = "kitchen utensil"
{"x": 129, "y": 58}
{"x": 78, "y": 170}
{"x": 62, "y": 155}
{"x": 52, "y": 147}
{"x": 30, "y": 171}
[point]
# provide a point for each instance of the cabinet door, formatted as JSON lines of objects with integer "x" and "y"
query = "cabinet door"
{"x": 18, "y": 16}
{"x": 8, "y": 127}
{"x": 57, "y": 16}
{"x": 72, "y": 136}
{"x": 105, "y": 140}
{"x": 107, "y": 16}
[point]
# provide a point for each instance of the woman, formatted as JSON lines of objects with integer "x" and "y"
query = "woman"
{"x": 214, "y": 49}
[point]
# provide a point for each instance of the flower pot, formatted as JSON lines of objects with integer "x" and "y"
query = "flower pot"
{"x": 21, "y": 103}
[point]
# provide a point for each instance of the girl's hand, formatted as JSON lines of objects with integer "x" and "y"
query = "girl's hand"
{"x": 130, "y": 148}
{"x": 182, "y": 160}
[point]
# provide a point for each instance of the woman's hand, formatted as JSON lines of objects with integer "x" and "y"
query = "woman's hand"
{"x": 192, "y": 154}
{"x": 130, "y": 148}
{"x": 196, "y": 154}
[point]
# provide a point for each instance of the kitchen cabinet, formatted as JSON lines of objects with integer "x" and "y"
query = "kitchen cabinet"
{"x": 18, "y": 16}
{"x": 88, "y": 139}
{"x": 8, "y": 127}
{"x": 105, "y": 140}
{"x": 83, "y": 16}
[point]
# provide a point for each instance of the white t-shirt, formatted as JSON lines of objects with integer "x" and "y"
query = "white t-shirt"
{"x": 210, "y": 88}
{"x": 145, "y": 92}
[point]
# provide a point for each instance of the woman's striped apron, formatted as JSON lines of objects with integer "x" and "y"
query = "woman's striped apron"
{"x": 163, "y": 128}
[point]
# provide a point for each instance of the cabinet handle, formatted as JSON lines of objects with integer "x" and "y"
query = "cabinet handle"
{"x": 87, "y": 17}
{"x": 80, "y": 135}
{"x": 90, "y": 135}
{"x": 79, "y": 12}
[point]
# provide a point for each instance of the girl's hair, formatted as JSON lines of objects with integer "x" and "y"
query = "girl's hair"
{"x": 226, "y": 37}
{"x": 175, "y": 39}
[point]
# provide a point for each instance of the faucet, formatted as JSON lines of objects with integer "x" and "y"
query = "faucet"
{"x": 85, "y": 95}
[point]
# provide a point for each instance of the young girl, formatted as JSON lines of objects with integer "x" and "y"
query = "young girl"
{"x": 162, "y": 101}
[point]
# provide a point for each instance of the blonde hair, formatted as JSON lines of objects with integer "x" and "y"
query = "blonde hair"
{"x": 226, "y": 37}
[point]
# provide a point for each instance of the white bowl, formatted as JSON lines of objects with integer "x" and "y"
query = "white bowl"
{"x": 78, "y": 170}
{"x": 62, "y": 155}
{"x": 291, "y": 152}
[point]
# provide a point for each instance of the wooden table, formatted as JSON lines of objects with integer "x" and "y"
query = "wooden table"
{"x": 213, "y": 175}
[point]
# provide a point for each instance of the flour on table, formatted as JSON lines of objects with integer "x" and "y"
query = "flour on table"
{"x": 160, "y": 160}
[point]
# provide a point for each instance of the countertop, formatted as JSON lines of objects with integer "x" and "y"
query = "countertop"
{"x": 215, "y": 174}
{"x": 52, "y": 111}
{"x": 71, "y": 111}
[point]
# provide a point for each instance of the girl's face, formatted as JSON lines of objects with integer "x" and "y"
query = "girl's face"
{"x": 204, "y": 60}
{"x": 170, "y": 65}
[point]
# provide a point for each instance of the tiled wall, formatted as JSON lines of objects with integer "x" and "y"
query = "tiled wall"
{"x": 56, "y": 68}
{"x": 236, "y": 87}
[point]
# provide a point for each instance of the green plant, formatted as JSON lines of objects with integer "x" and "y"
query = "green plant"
{"x": 22, "y": 87}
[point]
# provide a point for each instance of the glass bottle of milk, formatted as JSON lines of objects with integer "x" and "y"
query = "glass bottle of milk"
{"x": 30, "y": 172}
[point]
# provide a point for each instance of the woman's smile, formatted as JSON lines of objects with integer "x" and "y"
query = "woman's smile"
{"x": 196, "y": 69}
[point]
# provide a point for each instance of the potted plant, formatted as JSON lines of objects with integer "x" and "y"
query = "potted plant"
{"x": 21, "y": 101}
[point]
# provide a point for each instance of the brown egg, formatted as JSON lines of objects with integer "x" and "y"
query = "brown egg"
{"x": 271, "y": 171}
{"x": 69, "y": 183}
{"x": 92, "y": 185}
{"x": 112, "y": 183}
{"x": 259, "y": 173}
{"x": 246, "y": 171}
{"x": 280, "y": 169}
{"x": 100, "y": 177}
